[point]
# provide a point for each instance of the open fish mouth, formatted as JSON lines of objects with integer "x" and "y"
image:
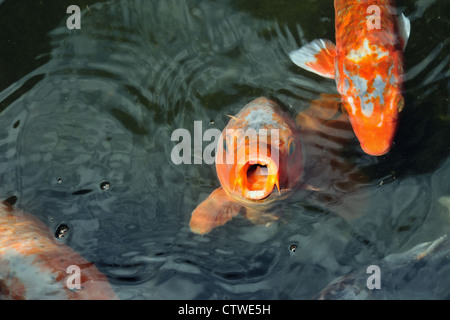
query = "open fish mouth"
{"x": 257, "y": 177}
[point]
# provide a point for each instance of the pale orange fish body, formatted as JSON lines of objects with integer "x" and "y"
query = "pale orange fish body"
{"x": 337, "y": 183}
{"x": 34, "y": 265}
{"x": 367, "y": 64}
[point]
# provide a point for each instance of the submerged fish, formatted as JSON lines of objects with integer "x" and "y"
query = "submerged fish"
{"x": 422, "y": 272}
{"x": 367, "y": 64}
{"x": 264, "y": 156}
{"x": 34, "y": 265}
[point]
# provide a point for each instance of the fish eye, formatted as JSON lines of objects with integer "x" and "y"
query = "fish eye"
{"x": 291, "y": 146}
{"x": 400, "y": 104}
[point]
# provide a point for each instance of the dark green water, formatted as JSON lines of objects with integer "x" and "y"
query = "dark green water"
{"x": 83, "y": 107}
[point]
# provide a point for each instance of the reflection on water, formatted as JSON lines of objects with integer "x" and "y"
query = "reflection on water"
{"x": 102, "y": 107}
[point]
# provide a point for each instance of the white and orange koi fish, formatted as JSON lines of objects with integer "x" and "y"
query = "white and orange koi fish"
{"x": 367, "y": 64}
{"x": 34, "y": 265}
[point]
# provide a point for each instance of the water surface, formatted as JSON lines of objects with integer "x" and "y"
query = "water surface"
{"x": 86, "y": 122}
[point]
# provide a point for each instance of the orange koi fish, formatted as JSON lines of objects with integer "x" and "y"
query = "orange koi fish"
{"x": 284, "y": 158}
{"x": 367, "y": 64}
{"x": 258, "y": 160}
{"x": 34, "y": 265}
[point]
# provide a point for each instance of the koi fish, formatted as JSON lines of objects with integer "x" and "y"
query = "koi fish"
{"x": 367, "y": 65}
{"x": 258, "y": 160}
{"x": 34, "y": 265}
{"x": 266, "y": 149}
{"x": 422, "y": 272}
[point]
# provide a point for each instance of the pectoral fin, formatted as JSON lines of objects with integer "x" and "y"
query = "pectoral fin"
{"x": 215, "y": 211}
{"x": 317, "y": 56}
{"x": 404, "y": 26}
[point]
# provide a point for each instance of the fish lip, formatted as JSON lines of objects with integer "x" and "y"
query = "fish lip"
{"x": 272, "y": 177}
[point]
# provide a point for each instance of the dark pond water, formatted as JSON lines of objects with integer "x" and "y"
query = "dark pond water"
{"x": 85, "y": 137}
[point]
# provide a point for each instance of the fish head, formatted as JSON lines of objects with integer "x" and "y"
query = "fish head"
{"x": 377, "y": 131}
{"x": 372, "y": 97}
{"x": 259, "y": 153}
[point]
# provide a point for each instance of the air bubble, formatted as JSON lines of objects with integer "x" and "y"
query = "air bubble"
{"x": 11, "y": 200}
{"x": 105, "y": 185}
{"x": 62, "y": 231}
